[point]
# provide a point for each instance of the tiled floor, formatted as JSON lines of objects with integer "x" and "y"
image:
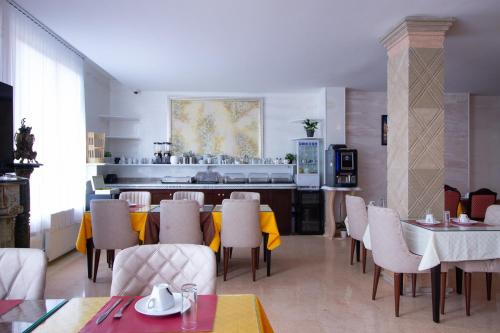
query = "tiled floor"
{"x": 313, "y": 289}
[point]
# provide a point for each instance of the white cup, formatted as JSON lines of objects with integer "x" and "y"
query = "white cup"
{"x": 463, "y": 218}
{"x": 161, "y": 298}
{"x": 429, "y": 218}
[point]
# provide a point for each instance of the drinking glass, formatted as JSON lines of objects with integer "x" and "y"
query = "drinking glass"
{"x": 189, "y": 308}
{"x": 382, "y": 202}
{"x": 446, "y": 217}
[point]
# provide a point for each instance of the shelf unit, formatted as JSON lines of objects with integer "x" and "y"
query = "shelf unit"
{"x": 119, "y": 127}
{"x": 198, "y": 165}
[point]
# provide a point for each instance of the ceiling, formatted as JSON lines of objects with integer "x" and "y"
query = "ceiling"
{"x": 267, "y": 45}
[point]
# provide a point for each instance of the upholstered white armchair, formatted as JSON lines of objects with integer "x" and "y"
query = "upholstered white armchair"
{"x": 23, "y": 273}
{"x": 137, "y": 269}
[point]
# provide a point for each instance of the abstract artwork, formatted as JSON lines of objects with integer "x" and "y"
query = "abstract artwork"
{"x": 230, "y": 126}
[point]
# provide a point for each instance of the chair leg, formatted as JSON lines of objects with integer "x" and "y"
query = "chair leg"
{"x": 468, "y": 278}
{"x": 254, "y": 261}
{"x": 458, "y": 278}
{"x": 96, "y": 263}
{"x": 363, "y": 257}
{"x": 268, "y": 263}
{"x": 226, "y": 261}
{"x": 258, "y": 256}
{"x": 413, "y": 284}
{"x": 111, "y": 257}
{"x": 397, "y": 292}
{"x": 488, "y": 285}
{"x": 376, "y": 276}
{"x": 443, "y": 291}
{"x": 353, "y": 246}
{"x": 358, "y": 248}
{"x": 230, "y": 252}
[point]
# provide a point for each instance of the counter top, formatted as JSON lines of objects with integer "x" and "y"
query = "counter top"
{"x": 158, "y": 185}
{"x": 330, "y": 188}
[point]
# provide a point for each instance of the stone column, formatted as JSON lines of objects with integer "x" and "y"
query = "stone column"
{"x": 415, "y": 94}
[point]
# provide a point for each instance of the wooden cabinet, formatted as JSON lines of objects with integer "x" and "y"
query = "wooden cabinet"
{"x": 280, "y": 201}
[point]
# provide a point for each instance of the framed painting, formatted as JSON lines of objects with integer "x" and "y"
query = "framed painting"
{"x": 384, "y": 130}
{"x": 229, "y": 126}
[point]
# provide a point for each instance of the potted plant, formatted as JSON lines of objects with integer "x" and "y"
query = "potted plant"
{"x": 108, "y": 157}
{"x": 289, "y": 158}
{"x": 310, "y": 126}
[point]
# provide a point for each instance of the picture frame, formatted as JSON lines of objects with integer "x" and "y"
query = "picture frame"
{"x": 384, "y": 129}
{"x": 212, "y": 106}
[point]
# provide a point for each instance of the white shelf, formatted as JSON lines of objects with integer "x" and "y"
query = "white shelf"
{"x": 117, "y": 117}
{"x": 198, "y": 165}
{"x": 116, "y": 137}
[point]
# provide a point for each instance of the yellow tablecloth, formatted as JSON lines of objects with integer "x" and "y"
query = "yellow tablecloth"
{"x": 137, "y": 220}
{"x": 267, "y": 225}
{"x": 234, "y": 314}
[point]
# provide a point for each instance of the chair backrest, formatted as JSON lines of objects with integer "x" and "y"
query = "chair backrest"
{"x": 240, "y": 223}
{"x": 190, "y": 195}
{"x": 389, "y": 248}
{"x": 451, "y": 200}
{"x": 180, "y": 222}
{"x": 111, "y": 228}
{"x": 245, "y": 196}
{"x": 137, "y": 269}
{"x": 358, "y": 217}
{"x": 479, "y": 202}
{"x": 492, "y": 215}
{"x": 137, "y": 198}
{"x": 23, "y": 273}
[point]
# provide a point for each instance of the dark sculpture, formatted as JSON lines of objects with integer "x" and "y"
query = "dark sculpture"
{"x": 24, "y": 144}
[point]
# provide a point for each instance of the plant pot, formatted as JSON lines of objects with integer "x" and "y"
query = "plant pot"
{"x": 310, "y": 133}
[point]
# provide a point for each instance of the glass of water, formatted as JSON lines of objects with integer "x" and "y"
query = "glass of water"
{"x": 446, "y": 217}
{"x": 189, "y": 309}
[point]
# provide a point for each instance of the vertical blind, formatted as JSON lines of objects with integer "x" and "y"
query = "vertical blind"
{"x": 49, "y": 92}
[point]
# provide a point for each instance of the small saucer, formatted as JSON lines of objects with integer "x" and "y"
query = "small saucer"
{"x": 429, "y": 223}
{"x": 142, "y": 307}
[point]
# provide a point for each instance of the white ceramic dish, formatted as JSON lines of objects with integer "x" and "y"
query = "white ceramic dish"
{"x": 456, "y": 220}
{"x": 142, "y": 307}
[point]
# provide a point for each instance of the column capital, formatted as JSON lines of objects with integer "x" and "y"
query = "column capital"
{"x": 417, "y": 31}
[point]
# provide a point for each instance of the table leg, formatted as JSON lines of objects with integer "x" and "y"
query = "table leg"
{"x": 90, "y": 250}
{"x": 458, "y": 278}
{"x": 436, "y": 291}
{"x": 330, "y": 224}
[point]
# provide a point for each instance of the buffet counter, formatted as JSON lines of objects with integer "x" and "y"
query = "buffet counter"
{"x": 280, "y": 196}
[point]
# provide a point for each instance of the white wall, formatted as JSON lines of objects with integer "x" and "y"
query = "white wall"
{"x": 152, "y": 108}
{"x": 97, "y": 96}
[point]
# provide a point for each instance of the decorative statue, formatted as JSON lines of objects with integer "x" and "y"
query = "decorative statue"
{"x": 24, "y": 144}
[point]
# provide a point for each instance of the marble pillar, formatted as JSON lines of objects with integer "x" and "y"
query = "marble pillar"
{"x": 415, "y": 95}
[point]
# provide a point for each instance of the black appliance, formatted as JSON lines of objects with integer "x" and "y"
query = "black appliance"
{"x": 6, "y": 129}
{"x": 309, "y": 213}
{"x": 111, "y": 178}
{"x": 341, "y": 166}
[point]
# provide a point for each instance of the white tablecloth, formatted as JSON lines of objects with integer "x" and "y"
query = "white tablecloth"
{"x": 448, "y": 246}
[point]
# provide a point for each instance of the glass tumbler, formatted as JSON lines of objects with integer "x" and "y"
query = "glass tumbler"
{"x": 446, "y": 217}
{"x": 189, "y": 309}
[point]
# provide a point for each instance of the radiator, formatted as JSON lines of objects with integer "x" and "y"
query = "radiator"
{"x": 60, "y": 238}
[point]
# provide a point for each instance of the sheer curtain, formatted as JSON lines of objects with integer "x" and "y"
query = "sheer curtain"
{"x": 48, "y": 92}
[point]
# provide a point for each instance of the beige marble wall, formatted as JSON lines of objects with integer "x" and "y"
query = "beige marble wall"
{"x": 363, "y": 116}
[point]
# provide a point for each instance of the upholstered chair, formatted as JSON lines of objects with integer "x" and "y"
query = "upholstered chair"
{"x": 23, "y": 273}
{"x": 358, "y": 221}
{"x": 479, "y": 201}
{"x": 390, "y": 251}
{"x": 190, "y": 195}
{"x": 241, "y": 228}
{"x": 137, "y": 269}
{"x": 245, "y": 196}
{"x": 180, "y": 222}
{"x": 451, "y": 200}
{"x": 111, "y": 228}
{"x": 477, "y": 266}
{"x": 136, "y": 198}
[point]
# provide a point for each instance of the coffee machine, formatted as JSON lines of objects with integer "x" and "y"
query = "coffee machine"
{"x": 341, "y": 166}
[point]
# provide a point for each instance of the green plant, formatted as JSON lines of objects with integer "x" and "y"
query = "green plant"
{"x": 290, "y": 157}
{"x": 107, "y": 154}
{"x": 310, "y": 124}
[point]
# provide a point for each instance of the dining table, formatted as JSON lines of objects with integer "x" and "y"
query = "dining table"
{"x": 145, "y": 220}
{"x": 450, "y": 242}
{"x": 233, "y": 313}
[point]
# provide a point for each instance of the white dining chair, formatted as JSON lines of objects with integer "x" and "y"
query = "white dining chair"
{"x": 358, "y": 221}
{"x": 136, "y": 198}
{"x": 245, "y": 196}
{"x": 190, "y": 195}
{"x": 23, "y": 273}
{"x": 180, "y": 222}
{"x": 137, "y": 269}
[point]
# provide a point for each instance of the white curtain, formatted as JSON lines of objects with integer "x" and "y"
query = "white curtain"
{"x": 48, "y": 91}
